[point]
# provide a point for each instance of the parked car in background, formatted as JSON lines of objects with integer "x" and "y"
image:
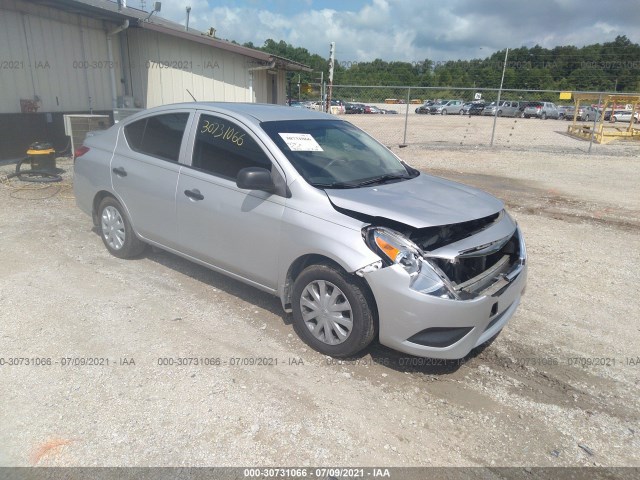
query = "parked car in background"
{"x": 388, "y": 112}
{"x": 351, "y": 108}
{"x": 476, "y": 108}
{"x": 625, "y": 116}
{"x": 465, "y": 108}
{"x": 585, "y": 113}
{"x": 303, "y": 205}
{"x": 371, "y": 109}
{"x": 507, "y": 108}
{"x": 424, "y": 108}
{"x": 562, "y": 111}
{"x": 445, "y": 107}
{"x": 541, "y": 110}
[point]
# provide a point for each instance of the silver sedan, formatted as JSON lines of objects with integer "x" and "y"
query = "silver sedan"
{"x": 357, "y": 244}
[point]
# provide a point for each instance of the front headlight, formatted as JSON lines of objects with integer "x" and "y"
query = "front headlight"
{"x": 396, "y": 249}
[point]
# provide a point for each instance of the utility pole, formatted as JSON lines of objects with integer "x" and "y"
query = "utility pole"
{"x": 495, "y": 116}
{"x": 332, "y": 57}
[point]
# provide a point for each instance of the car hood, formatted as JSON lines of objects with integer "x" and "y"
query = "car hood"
{"x": 423, "y": 201}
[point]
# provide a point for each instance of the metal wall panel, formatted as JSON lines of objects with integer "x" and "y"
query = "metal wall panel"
{"x": 163, "y": 68}
{"x": 63, "y": 59}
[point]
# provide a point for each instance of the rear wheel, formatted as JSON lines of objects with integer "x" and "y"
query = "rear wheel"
{"x": 333, "y": 312}
{"x": 543, "y": 116}
{"x": 586, "y": 118}
{"x": 116, "y": 231}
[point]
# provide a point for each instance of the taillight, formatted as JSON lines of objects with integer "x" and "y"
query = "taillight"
{"x": 81, "y": 150}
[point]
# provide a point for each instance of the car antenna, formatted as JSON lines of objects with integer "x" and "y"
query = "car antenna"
{"x": 194, "y": 98}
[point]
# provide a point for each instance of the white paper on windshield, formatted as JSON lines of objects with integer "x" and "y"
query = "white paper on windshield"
{"x": 301, "y": 142}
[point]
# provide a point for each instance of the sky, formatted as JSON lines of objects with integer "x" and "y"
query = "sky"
{"x": 412, "y": 30}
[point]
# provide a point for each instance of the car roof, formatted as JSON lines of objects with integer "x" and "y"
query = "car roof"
{"x": 250, "y": 112}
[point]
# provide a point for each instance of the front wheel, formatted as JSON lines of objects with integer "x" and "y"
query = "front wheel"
{"x": 586, "y": 118}
{"x": 543, "y": 116}
{"x": 444, "y": 112}
{"x": 333, "y": 312}
{"x": 116, "y": 231}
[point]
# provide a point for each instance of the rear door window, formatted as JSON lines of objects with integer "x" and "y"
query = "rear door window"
{"x": 159, "y": 136}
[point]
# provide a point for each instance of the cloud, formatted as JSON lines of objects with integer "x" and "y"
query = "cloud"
{"x": 413, "y": 31}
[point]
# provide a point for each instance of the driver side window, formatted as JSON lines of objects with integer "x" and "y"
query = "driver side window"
{"x": 222, "y": 148}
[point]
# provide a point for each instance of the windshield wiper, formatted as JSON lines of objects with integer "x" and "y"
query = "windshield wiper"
{"x": 387, "y": 177}
{"x": 334, "y": 185}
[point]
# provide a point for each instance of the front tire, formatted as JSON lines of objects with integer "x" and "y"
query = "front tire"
{"x": 333, "y": 312}
{"x": 543, "y": 116}
{"x": 116, "y": 231}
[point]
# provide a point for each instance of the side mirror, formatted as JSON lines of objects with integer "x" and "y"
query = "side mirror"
{"x": 255, "y": 178}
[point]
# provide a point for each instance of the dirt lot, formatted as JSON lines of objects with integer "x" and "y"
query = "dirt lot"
{"x": 559, "y": 387}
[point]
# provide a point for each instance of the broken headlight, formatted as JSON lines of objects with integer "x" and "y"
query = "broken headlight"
{"x": 396, "y": 249}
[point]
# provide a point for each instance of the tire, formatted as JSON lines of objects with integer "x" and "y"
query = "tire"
{"x": 444, "y": 112}
{"x": 543, "y": 116}
{"x": 586, "y": 118}
{"x": 356, "y": 325}
{"x": 499, "y": 113}
{"x": 116, "y": 231}
{"x": 614, "y": 119}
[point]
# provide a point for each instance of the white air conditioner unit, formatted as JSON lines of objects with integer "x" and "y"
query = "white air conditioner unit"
{"x": 77, "y": 126}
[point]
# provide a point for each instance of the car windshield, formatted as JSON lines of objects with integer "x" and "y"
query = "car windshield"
{"x": 336, "y": 154}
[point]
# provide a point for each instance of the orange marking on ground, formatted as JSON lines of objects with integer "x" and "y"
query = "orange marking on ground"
{"x": 46, "y": 448}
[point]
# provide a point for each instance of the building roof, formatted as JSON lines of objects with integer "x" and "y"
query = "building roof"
{"x": 111, "y": 11}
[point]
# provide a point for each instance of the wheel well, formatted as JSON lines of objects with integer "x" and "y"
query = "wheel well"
{"x": 314, "y": 259}
{"x": 96, "y": 203}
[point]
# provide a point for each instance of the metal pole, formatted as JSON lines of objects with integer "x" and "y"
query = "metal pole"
{"x": 593, "y": 130}
{"x": 406, "y": 118}
{"x": 495, "y": 115}
{"x": 332, "y": 50}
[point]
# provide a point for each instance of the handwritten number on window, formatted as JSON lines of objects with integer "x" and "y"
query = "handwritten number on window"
{"x": 227, "y": 132}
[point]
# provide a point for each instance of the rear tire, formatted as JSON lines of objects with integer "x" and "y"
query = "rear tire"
{"x": 333, "y": 312}
{"x": 543, "y": 116}
{"x": 116, "y": 231}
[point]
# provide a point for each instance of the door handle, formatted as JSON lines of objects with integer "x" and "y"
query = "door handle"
{"x": 194, "y": 194}
{"x": 121, "y": 172}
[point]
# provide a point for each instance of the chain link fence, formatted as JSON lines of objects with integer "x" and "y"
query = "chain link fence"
{"x": 407, "y": 116}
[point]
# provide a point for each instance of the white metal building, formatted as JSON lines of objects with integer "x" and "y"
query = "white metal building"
{"x": 81, "y": 56}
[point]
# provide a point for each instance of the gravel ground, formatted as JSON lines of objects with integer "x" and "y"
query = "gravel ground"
{"x": 559, "y": 386}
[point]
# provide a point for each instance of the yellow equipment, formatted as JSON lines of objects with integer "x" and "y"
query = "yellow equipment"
{"x": 42, "y": 157}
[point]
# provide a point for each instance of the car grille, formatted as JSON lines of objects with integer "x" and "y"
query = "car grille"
{"x": 472, "y": 274}
{"x": 475, "y": 275}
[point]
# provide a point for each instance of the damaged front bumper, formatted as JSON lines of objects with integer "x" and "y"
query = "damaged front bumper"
{"x": 427, "y": 325}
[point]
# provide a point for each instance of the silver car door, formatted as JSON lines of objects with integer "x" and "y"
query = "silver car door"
{"x": 232, "y": 229}
{"x": 144, "y": 172}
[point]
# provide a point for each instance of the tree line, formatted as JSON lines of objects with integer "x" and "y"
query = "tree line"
{"x": 611, "y": 66}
